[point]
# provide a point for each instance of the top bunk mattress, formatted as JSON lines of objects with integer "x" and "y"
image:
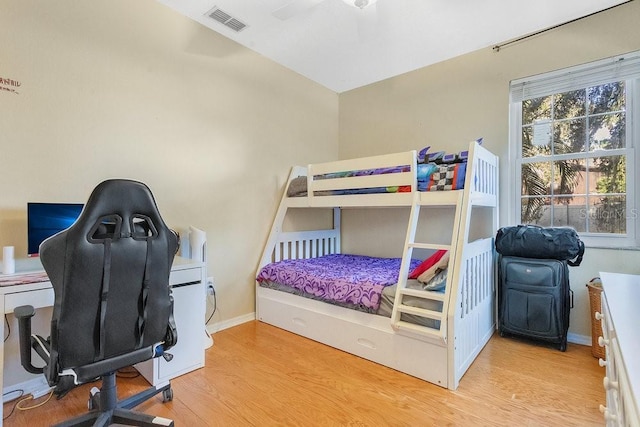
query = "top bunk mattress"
{"x": 396, "y": 179}
{"x": 391, "y": 173}
{"x": 430, "y": 177}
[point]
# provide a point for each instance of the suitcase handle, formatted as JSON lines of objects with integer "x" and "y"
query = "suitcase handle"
{"x": 571, "y": 297}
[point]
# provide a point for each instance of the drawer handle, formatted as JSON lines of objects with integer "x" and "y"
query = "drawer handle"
{"x": 608, "y": 416}
{"x": 298, "y": 321}
{"x": 598, "y": 315}
{"x": 602, "y": 362}
{"x": 610, "y": 384}
{"x": 366, "y": 343}
{"x": 602, "y": 342}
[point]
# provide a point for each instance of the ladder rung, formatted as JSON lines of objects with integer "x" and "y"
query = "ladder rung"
{"x": 419, "y": 293}
{"x": 429, "y": 246}
{"x": 429, "y": 314}
{"x": 418, "y": 329}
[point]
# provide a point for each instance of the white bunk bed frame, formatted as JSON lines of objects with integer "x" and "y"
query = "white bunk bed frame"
{"x": 441, "y": 354}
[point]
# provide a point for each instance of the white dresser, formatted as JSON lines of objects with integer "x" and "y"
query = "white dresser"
{"x": 621, "y": 338}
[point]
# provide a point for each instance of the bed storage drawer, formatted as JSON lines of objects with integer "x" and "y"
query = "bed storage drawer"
{"x": 342, "y": 328}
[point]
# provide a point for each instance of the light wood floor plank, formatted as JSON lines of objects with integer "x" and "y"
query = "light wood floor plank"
{"x": 258, "y": 375}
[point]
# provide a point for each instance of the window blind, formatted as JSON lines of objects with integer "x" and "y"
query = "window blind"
{"x": 621, "y": 67}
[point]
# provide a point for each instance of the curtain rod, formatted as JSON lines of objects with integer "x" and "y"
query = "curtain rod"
{"x": 497, "y": 47}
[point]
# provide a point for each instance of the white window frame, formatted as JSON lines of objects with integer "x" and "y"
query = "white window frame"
{"x": 619, "y": 68}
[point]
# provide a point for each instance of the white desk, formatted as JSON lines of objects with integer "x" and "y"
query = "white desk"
{"x": 187, "y": 280}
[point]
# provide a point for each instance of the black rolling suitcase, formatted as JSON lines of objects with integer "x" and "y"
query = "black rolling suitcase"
{"x": 534, "y": 299}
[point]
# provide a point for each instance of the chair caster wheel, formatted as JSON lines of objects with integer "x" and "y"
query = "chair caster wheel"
{"x": 94, "y": 399}
{"x": 167, "y": 395}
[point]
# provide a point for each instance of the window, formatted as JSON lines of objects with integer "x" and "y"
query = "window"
{"x": 573, "y": 142}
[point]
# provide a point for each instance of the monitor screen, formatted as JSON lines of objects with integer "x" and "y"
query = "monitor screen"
{"x": 46, "y": 219}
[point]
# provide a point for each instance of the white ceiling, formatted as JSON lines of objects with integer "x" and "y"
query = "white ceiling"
{"x": 342, "y": 47}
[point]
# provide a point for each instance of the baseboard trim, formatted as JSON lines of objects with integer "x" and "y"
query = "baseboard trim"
{"x": 579, "y": 339}
{"x": 12, "y": 392}
{"x": 219, "y": 326}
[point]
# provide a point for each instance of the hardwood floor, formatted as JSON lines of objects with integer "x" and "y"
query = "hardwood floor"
{"x": 258, "y": 375}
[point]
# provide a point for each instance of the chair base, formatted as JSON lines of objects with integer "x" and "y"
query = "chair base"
{"x": 106, "y": 409}
{"x": 118, "y": 416}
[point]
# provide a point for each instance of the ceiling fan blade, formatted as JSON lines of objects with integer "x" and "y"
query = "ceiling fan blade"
{"x": 294, "y": 8}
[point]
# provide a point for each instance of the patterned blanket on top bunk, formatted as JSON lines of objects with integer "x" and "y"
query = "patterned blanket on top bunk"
{"x": 353, "y": 281}
{"x": 435, "y": 172}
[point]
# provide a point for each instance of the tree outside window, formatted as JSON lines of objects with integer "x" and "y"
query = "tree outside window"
{"x": 573, "y": 166}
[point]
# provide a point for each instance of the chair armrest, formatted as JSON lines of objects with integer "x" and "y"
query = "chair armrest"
{"x": 24, "y": 313}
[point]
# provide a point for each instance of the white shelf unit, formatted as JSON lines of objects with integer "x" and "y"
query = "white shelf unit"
{"x": 187, "y": 281}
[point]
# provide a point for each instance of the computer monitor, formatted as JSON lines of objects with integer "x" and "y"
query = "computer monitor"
{"x": 46, "y": 219}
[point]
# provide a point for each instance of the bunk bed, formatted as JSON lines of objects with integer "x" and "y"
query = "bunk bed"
{"x": 431, "y": 334}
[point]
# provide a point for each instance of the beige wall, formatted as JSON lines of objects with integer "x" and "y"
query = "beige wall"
{"x": 115, "y": 88}
{"x": 450, "y": 103}
{"x": 132, "y": 89}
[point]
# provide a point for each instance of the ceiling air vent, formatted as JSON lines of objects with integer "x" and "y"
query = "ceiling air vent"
{"x": 225, "y": 19}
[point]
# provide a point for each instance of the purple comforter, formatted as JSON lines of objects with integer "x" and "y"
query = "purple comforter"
{"x": 345, "y": 279}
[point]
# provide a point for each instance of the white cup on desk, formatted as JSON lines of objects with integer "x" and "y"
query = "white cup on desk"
{"x": 8, "y": 261}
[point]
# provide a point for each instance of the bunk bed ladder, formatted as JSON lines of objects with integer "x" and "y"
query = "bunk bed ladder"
{"x": 436, "y": 329}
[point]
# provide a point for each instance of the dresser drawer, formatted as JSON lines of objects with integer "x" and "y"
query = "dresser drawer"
{"x": 605, "y": 318}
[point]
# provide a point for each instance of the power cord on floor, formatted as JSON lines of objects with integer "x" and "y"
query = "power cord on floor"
{"x": 129, "y": 372}
{"x": 15, "y": 404}
{"x": 19, "y": 404}
{"x": 26, "y": 408}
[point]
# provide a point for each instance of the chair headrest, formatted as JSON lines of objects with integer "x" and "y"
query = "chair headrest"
{"x": 119, "y": 208}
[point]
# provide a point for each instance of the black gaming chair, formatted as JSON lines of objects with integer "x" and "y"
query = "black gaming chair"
{"x": 113, "y": 305}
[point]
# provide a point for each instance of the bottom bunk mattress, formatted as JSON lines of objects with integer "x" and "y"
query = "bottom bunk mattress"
{"x": 356, "y": 282}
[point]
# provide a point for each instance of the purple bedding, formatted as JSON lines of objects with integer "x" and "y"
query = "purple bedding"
{"x": 343, "y": 279}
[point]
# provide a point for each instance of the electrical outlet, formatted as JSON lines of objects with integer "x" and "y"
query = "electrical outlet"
{"x": 41, "y": 392}
{"x": 210, "y": 288}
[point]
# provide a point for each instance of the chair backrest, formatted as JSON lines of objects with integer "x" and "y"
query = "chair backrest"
{"x": 110, "y": 275}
